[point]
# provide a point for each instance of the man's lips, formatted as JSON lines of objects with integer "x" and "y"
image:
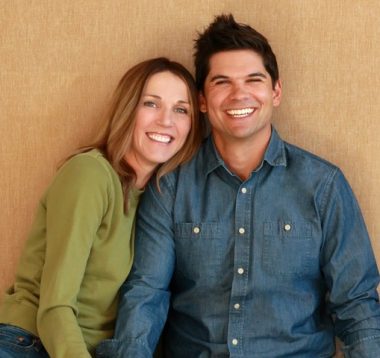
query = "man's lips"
{"x": 240, "y": 112}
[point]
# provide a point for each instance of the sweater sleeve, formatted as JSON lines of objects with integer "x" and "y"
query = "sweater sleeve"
{"x": 75, "y": 204}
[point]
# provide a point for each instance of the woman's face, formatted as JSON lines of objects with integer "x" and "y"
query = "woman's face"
{"x": 163, "y": 121}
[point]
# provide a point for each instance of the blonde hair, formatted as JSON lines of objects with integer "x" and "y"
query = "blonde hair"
{"x": 116, "y": 138}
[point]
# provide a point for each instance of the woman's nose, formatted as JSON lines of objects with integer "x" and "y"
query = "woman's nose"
{"x": 165, "y": 118}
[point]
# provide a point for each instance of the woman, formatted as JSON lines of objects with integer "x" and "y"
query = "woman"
{"x": 80, "y": 248}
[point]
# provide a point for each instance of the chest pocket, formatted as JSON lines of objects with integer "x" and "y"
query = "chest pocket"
{"x": 288, "y": 248}
{"x": 200, "y": 249}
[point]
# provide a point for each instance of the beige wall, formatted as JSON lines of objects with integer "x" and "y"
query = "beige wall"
{"x": 59, "y": 61}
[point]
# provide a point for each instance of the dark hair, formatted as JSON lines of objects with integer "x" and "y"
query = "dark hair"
{"x": 115, "y": 139}
{"x": 225, "y": 34}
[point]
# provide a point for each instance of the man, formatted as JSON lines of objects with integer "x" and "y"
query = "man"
{"x": 255, "y": 248}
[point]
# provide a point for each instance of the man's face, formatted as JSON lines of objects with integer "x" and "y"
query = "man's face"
{"x": 239, "y": 97}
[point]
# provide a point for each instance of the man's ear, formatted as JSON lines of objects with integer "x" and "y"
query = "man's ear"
{"x": 202, "y": 103}
{"x": 277, "y": 93}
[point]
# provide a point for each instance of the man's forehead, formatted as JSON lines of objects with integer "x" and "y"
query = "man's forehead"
{"x": 235, "y": 63}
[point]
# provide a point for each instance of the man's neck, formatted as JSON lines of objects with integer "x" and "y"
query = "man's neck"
{"x": 243, "y": 157}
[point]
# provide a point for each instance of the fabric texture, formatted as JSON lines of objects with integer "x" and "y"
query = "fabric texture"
{"x": 18, "y": 343}
{"x": 78, "y": 254}
{"x": 259, "y": 268}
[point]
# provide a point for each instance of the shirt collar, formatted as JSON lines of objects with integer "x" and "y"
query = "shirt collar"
{"x": 275, "y": 154}
{"x": 212, "y": 159}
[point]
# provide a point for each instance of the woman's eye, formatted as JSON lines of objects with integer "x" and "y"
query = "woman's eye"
{"x": 149, "y": 104}
{"x": 181, "y": 110}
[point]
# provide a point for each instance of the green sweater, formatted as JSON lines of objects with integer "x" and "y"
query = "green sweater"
{"x": 78, "y": 254}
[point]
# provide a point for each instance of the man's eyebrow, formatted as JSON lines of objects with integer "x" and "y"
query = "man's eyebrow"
{"x": 223, "y": 77}
{"x": 257, "y": 74}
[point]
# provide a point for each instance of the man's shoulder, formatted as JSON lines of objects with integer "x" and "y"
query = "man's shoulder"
{"x": 301, "y": 157}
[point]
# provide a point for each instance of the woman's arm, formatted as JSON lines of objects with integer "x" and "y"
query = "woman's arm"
{"x": 75, "y": 204}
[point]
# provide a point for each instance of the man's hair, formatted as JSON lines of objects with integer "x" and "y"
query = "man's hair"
{"x": 225, "y": 34}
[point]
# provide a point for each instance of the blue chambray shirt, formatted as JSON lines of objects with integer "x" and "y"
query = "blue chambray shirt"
{"x": 255, "y": 268}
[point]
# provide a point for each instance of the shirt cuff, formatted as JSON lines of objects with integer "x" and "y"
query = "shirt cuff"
{"x": 114, "y": 348}
{"x": 107, "y": 349}
{"x": 368, "y": 347}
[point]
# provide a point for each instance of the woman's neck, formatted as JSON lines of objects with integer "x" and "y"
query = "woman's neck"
{"x": 143, "y": 171}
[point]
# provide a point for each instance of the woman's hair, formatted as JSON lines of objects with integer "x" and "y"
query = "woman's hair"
{"x": 116, "y": 138}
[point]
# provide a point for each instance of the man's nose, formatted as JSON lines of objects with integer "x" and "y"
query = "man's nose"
{"x": 238, "y": 91}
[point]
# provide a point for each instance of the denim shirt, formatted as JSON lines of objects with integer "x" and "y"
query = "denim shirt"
{"x": 273, "y": 266}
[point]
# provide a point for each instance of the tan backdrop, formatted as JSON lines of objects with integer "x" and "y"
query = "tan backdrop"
{"x": 60, "y": 61}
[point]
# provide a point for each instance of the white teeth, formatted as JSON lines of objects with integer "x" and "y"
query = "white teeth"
{"x": 240, "y": 112}
{"x": 162, "y": 138}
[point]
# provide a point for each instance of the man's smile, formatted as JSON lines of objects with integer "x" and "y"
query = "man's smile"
{"x": 241, "y": 112}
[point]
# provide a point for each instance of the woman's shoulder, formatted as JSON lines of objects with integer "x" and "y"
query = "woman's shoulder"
{"x": 92, "y": 162}
{"x": 91, "y": 157}
{"x": 85, "y": 170}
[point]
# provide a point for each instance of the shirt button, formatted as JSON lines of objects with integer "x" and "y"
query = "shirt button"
{"x": 244, "y": 190}
{"x": 287, "y": 227}
{"x": 235, "y": 342}
{"x": 241, "y": 231}
{"x": 236, "y": 306}
{"x": 196, "y": 230}
{"x": 240, "y": 271}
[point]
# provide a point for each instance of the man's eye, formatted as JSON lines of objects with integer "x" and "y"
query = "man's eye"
{"x": 255, "y": 80}
{"x": 221, "y": 82}
{"x": 181, "y": 110}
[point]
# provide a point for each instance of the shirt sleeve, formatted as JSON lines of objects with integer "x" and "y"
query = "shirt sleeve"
{"x": 75, "y": 204}
{"x": 350, "y": 271}
{"x": 145, "y": 295}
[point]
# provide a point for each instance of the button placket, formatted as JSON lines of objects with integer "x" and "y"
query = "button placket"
{"x": 243, "y": 242}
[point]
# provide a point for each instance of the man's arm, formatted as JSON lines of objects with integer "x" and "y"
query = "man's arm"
{"x": 144, "y": 298}
{"x": 350, "y": 270}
